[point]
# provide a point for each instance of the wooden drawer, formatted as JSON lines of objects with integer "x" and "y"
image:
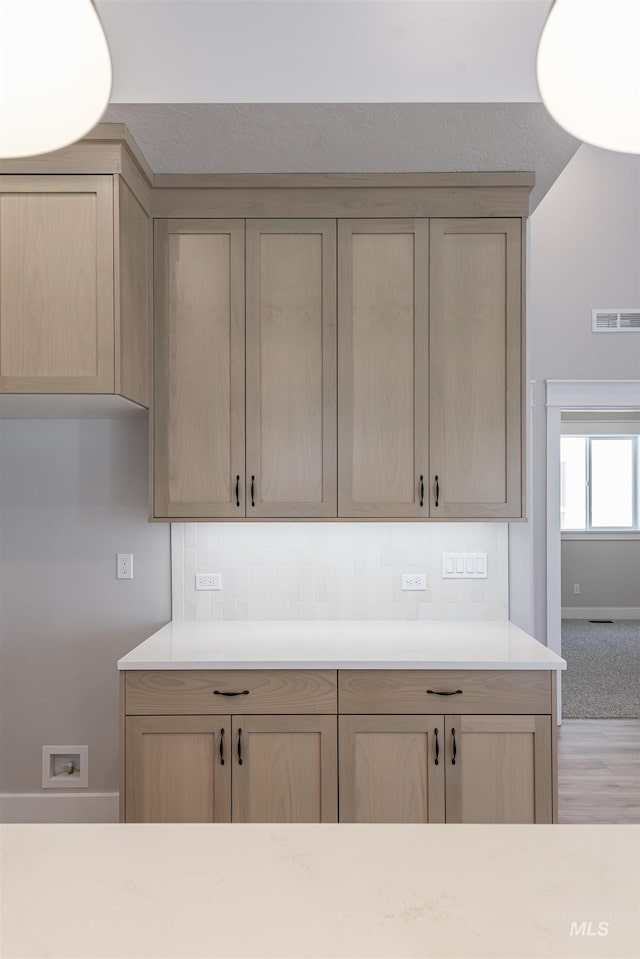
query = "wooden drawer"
{"x": 185, "y": 692}
{"x": 405, "y": 691}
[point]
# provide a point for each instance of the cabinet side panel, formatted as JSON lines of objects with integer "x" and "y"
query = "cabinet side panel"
{"x": 134, "y": 239}
{"x": 122, "y": 746}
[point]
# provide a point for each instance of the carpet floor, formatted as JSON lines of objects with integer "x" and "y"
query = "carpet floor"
{"x": 602, "y": 680}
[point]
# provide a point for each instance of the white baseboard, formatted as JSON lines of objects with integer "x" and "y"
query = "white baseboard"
{"x": 600, "y": 612}
{"x": 56, "y": 807}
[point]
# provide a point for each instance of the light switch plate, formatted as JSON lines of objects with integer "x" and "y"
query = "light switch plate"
{"x": 464, "y": 566}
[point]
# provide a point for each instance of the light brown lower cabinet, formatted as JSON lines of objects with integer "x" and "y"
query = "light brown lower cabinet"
{"x": 458, "y": 769}
{"x": 502, "y": 769}
{"x": 224, "y": 769}
{"x": 285, "y": 769}
{"x": 178, "y": 769}
{"x": 348, "y": 745}
{"x": 392, "y": 769}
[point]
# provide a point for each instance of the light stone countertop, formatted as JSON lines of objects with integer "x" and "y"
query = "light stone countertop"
{"x": 181, "y": 891}
{"x": 341, "y": 644}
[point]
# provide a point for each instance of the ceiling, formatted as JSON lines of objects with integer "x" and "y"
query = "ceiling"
{"x": 268, "y": 86}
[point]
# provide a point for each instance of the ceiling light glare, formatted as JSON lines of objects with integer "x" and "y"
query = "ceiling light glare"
{"x": 55, "y": 74}
{"x": 589, "y": 71}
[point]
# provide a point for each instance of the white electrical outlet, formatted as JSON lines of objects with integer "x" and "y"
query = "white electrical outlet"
{"x": 414, "y": 581}
{"x": 124, "y": 566}
{"x": 576, "y": 588}
{"x": 208, "y": 580}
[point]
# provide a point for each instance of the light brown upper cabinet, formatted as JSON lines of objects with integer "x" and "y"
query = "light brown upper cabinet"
{"x": 291, "y": 368}
{"x": 75, "y": 255}
{"x": 475, "y": 330}
{"x": 199, "y": 377}
{"x": 204, "y": 362}
{"x": 383, "y": 271}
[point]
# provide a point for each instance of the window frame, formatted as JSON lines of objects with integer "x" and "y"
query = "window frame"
{"x": 602, "y": 531}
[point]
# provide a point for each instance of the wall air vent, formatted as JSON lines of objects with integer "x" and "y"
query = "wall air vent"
{"x": 615, "y": 321}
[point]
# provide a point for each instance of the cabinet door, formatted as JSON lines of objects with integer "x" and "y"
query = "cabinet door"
{"x": 199, "y": 368}
{"x": 56, "y": 284}
{"x": 291, "y": 368}
{"x": 392, "y": 769}
{"x": 178, "y": 769}
{"x": 476, "y": 383}
{"x": 285, "y": 769}
{"x": 383, "y": 274}
{"x": 502, "y": 769}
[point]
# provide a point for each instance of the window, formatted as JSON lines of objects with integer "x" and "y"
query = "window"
{"x": 599, "y": 477}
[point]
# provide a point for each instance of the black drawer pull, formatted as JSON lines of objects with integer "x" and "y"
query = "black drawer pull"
{"x": 437, "y": 491}
{"x": 217, "y": 692}
{"x": 454, "y": 692}
{"x": 253, "y": 499}
{"x": 222, "y": 747}
{"x": 437, "y": 747}
{"x": 453, "y": 757}
{"x": 422, "y": 491}
{"x": 237, "y": 491}
{"x": 240, "y": 747}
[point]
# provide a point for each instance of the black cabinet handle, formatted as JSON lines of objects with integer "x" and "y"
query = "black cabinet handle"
{"x": 222, "y": 747}
{"x": 454, "y": 692}
{"x": 253, "y": 480}
{"x": 437, "y": 748}
{"x": 240, "y": 747}
{"x": 421, "y": 490}
{"x": 217, "y": 692}
{"x": 437, "y": 491}
{"x": 453, "y": 748}
{"x": 237, "y": 491}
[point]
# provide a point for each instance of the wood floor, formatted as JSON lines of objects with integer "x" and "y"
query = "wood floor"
{"x": 599, "y": 771}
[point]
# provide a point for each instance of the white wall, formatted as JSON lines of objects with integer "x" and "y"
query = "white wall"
{"x": 335, "y": 570}
{"x": 73, "y": 493}
{"x": 584, "y": 253}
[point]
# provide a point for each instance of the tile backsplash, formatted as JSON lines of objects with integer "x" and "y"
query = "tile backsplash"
{"x": 335, "y": 570}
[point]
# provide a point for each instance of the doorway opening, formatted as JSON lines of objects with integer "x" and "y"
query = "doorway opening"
{"x": 597, "y": 680}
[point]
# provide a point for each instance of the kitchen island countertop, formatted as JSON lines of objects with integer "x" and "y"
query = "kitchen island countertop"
{"x": 341, "y": 644}
{"x": 325, "y": 891}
